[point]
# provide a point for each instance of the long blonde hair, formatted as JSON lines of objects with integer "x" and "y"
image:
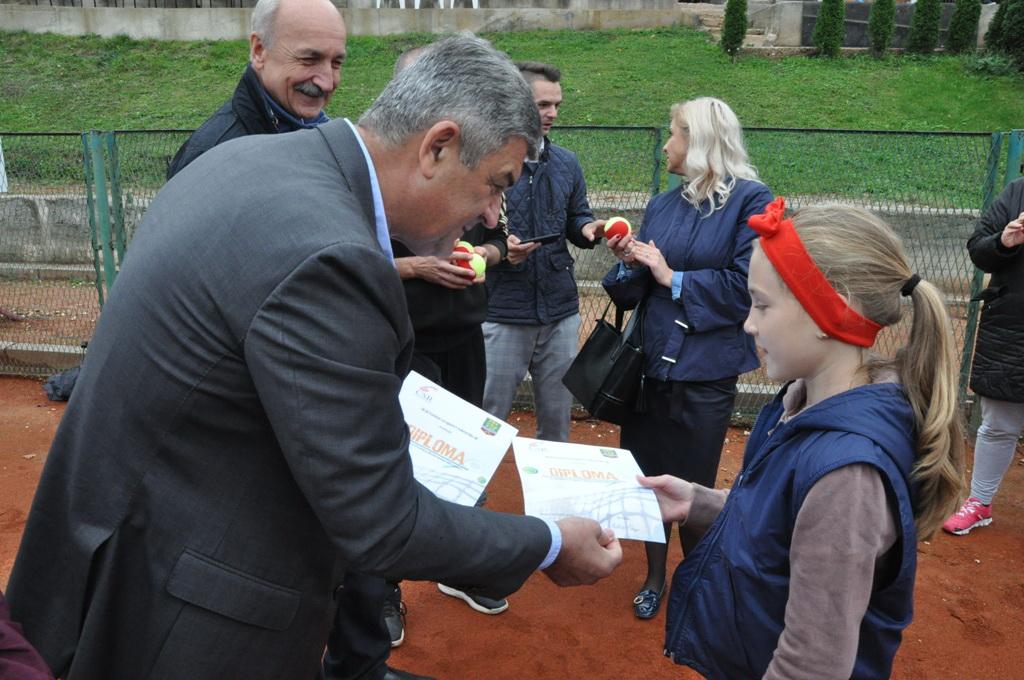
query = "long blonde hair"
{"x": 864, "y": 260}
{"x": 715, "y": 156}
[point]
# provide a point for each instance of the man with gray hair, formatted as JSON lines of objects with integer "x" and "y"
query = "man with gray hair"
{"x": 236, "y": 442}
{"x": 296, "y": 50}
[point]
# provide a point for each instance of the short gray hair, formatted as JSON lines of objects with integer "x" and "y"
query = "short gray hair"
{"x": 264, "y": 14}
{"x": 465, "y": 80}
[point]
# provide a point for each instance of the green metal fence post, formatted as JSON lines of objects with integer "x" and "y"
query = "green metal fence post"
{"x": 102, "y": 208}
{"x": 90, "y": 202}
{"x": 117, "y": 203}
{"x": 1013, "y": 156}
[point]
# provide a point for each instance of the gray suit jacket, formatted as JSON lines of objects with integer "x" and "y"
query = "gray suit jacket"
{"x": 235, "y": 441}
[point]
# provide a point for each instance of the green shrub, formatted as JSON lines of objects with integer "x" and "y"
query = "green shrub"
{"x": 881, "y": 25}
{"x": 989, "y": 63}
{"x": 924, "y": 27}
{"x": 734, "y": 27}
{"x": 829, "y": 29}
{"x": 994, "y": 36}
{"x": 963, "y": 27}
{"x": 1013, "y": 32}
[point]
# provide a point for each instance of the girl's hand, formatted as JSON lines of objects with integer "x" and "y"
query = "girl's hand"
{"x": 649, "y": 255}
{"x": 675, "y": 496}
{"x": 1013, "y": 233}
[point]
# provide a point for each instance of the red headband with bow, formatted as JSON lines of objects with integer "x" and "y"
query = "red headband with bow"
{"x": 784, "y": 249}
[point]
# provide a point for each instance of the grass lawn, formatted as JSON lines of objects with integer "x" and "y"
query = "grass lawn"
{"x": 57, "y": 83}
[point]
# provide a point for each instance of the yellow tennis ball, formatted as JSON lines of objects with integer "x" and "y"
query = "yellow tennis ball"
{"x": 478, "y": 263}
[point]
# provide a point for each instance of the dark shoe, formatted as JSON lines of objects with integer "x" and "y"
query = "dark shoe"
{"x": 394, "y": 617}
{"x": 484, "y": 605}
{"x": 395, "y": 674}
{"x": 647, "y": 603}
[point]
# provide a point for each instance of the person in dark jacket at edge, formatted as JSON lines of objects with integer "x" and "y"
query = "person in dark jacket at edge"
{"x": 997, "y": 374}
{"x": 296, "y": 50}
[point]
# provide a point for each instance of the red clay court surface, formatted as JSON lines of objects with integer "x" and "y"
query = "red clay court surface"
{"x": 969, "y": 619}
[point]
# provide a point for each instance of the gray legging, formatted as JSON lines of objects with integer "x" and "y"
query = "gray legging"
{"x": 1001, "y": 426}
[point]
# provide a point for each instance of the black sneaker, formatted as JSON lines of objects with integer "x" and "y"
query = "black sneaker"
{"x": 484, "y": 605}
{"x": 394, "y": 616}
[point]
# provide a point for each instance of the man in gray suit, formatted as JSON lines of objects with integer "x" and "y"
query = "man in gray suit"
{"x": 235, "y": 443}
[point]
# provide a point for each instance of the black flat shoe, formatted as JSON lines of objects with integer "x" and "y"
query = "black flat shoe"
{"x": 647, "y": 602}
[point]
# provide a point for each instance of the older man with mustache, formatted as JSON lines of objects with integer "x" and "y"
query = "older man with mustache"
{"x": 296, "y": 50}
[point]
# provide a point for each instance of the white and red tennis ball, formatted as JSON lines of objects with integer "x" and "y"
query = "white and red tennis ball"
{"x": 467, "y": 248}
{"x": 616, "y": 226}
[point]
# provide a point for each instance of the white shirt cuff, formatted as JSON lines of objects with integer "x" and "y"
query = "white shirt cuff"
{"x": 556, "y": 545}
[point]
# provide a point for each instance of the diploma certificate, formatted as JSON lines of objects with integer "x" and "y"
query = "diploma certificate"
{"x": 599, "y": 482}
{"x": 455, "y": 447}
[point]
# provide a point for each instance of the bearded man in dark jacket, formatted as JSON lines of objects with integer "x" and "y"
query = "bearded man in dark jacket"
{"x": 533, "y": 315}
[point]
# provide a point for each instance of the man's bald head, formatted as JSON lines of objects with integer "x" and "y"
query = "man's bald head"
{"x": 297, "y": 48}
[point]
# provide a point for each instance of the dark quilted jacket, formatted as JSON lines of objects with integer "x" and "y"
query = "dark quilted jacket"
{"x": 246, "y": 113}
{"x": 550, "y": 196}
{"x": 998, "y": 370}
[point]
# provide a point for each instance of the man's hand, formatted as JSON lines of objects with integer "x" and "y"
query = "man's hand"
{"x": 589, "y": 553}
{"x": 518, "y": 251}
{"x": 1013, "y": 233}
{"x": 593, "y": 230}
{"x": 437, "y": 270}
{"x": 675, "y": 496}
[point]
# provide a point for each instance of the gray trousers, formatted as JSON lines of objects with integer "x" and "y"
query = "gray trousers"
{"x": 546, "y": 351}
{"x": 1001, "y": 426}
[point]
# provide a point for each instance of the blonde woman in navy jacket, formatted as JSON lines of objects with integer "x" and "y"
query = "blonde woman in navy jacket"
{"x": 690, "y": 260}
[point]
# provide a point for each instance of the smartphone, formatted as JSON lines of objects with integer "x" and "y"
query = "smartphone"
{"x": 544, "y": 239}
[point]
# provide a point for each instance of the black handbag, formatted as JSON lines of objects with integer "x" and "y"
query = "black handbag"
{"x": 607, "y": 374}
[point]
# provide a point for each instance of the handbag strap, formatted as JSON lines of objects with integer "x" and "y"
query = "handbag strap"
{"x": 633, "y": 323}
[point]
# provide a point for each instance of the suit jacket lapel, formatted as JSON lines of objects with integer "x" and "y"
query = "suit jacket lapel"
{"x": 343, "y": 144}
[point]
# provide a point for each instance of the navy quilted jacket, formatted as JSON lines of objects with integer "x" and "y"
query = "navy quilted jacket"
{"x": 244, "y": 114}
{"x": 998, "y": 370}
{"x": 550, "y": 196}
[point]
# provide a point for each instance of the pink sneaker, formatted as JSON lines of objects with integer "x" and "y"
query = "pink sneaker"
{"x": 972, "y": 514}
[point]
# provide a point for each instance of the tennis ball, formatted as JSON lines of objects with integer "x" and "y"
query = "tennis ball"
{"x": 617, "y": 226}
{"x": 464, "y": 244}
{"x": 478, "y": 264}
{"x": 468, "y": 249}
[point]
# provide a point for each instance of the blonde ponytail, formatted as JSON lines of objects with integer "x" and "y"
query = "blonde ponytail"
{"x": 927, "y": 369}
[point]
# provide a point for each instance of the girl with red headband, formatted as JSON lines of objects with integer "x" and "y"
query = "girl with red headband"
{"x": 806, "y": 566}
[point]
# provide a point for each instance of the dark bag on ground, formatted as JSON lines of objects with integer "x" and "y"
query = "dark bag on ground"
{"x": 58, "y": 386}
{"x": 607, "y": 374}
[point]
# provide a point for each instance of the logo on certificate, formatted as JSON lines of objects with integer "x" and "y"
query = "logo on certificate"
{"x": 426, "y": 392}
{"x": 490, "y": 426}
{"x": 609, "y": 453}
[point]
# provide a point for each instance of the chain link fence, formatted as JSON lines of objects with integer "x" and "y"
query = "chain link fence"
{"x": 48, "y": 302}
{"x": 60, "y": 245}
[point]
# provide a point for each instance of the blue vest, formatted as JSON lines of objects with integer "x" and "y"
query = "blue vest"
{"x": 726, "y": 610}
